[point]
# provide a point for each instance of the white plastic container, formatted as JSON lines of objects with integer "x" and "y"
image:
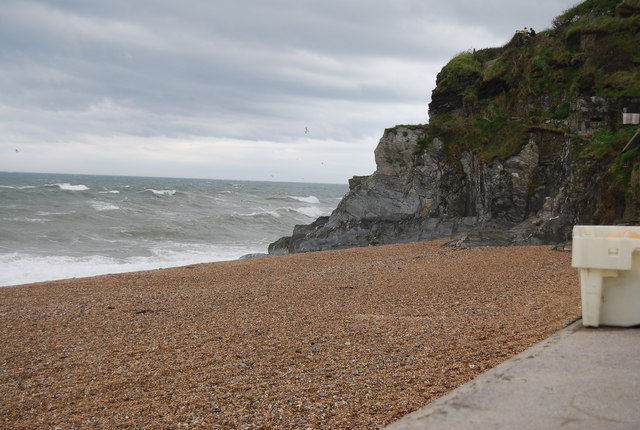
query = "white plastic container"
{"x": 608, "y": 258}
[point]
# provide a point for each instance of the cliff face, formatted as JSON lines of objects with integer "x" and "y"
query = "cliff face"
{"x": 523, "y": 142}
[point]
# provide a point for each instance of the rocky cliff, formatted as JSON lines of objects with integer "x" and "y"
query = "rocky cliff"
{"x": 523, "y": 142}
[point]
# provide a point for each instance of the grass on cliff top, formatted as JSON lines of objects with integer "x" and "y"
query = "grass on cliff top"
{"x": 459, "y": 72}
{"x": 587, "y": 8}
{"x": 592, "y": 8}
{"x": 591, "y": 51}
{"x": 562, "y": 63}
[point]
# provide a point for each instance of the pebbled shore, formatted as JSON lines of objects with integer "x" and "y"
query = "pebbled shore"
{"x": 339, "y": 339}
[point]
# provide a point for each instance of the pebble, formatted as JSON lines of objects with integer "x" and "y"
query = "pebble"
{"x": 409, "y": 332}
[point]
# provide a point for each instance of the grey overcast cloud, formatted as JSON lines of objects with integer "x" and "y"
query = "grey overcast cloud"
{"x": 225, "y": 89}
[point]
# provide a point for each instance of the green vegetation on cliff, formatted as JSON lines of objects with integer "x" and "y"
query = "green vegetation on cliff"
{"x": 485, "y": 101}
{"x": 592, "y": 50}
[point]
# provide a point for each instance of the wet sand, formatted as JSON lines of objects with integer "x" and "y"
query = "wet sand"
{"x": 341, "y": 339}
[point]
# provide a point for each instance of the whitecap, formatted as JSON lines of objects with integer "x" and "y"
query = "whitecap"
{"x": 104, "y": 206}
{"x": 17, "y": 187}
{"x": 32, "y": 220}
{"x": 109, "y": 192}
{"x": 68, "y": 187}
{"x": 310, "y": 199}
{"x": 311, "y": 212}
{"x": 43, "y": 213}
{"x": 161, "y": 192}
{"x": 274, "y": 213}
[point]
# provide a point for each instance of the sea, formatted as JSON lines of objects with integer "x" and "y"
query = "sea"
{"x": 55, "y": 226}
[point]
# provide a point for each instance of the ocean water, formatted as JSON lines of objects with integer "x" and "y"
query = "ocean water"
{"x": 63, "y": 226}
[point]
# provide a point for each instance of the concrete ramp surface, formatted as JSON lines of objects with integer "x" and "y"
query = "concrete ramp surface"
{"x": 580, "y": 378}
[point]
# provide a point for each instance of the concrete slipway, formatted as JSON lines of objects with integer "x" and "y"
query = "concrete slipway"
{"x": 579, "y": 378}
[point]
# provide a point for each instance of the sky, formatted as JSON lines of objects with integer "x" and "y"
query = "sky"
{"x": 279, "y": 90}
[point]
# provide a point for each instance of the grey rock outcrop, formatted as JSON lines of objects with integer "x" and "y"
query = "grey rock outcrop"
{"x": 418, "y": 195}
{"x": 533, "y": 197}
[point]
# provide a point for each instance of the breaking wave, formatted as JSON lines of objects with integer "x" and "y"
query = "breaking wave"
{"x": 311, "y": 199}
{"x": 68, "y": 187}
{"x": 161, "y": 192}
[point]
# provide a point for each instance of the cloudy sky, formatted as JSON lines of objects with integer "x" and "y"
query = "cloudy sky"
{"x": 225, "y": 88}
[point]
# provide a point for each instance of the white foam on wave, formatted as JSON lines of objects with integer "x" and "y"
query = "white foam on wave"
{"x": 104, "y": 206}
{"x": 309, "y": 199}
{"x": 311, "y": 212}
{"x": 273, "y": 213}
{"x": 43, "y": 213}
{"x": 161, "y": 192}
{"x": 68, "y": 187}
{"x": 17, "y": 187}
{"x": 32, "y": 220}
{"x": 18, "y": 268}
{"x": 110, "y": 192}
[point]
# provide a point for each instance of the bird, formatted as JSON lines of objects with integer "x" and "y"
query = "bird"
{"x": 306, "y": 130}
{"x": 17, "y": 150}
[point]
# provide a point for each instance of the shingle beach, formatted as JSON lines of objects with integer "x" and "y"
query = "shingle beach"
{"x": 340, "y": 339}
